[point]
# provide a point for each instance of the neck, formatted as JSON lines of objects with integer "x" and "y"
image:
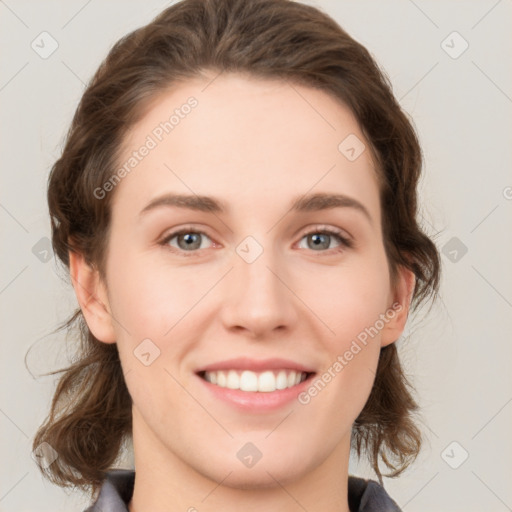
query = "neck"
{"x": 164, "y": 482}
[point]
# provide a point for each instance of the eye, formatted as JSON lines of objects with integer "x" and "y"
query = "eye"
{"x": 321, "y": 238}
{"x": 187, "y": 240}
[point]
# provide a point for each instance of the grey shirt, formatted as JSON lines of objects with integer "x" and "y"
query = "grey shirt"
{"x": 117, "y": 489}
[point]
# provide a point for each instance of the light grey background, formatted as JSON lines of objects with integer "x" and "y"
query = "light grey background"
{"x": 459, "y": 355}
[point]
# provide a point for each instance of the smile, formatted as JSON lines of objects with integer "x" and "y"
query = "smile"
{"x": 263, "y": 382}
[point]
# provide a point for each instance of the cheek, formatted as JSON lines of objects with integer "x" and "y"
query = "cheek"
{"x": 349, "y": 300}
{"x": 148, "y": 300}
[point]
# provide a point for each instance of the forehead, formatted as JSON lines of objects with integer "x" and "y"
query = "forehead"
{"x": 250, "y": 142}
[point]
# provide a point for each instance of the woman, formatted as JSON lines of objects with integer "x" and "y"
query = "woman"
{"x": 236, "y": 207}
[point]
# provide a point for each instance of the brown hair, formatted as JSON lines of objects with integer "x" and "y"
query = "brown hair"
{"x": 90, "y": 415}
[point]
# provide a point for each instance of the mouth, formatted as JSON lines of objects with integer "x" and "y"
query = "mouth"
{"x": 255, "y": 385}
{"x": 267, "y": 381}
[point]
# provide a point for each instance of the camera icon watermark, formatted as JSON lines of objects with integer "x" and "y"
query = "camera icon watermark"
{"x": 454, "y": 249}
{"x": 351, "y": 147}
{"x": 45, "y": 455}
{"x": 44, "y": 45}
{"x": 454, "y": 455}
{"x": 42, "y": 250}
{"x": 249, "y": 249}
{"x": 249, "y": 455}
{"x": 146, "y": 352}
{"x": 454, "y": 45}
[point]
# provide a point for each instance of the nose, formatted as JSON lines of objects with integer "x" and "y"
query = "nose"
{"x": 259, "y": 297}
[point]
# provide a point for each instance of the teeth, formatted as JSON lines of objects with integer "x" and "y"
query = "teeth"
{"x": 282, "y": 380}
{"x": 264, "y": 382}
{"x": 233, "y": 381}
{"x": 221, "y": 379}
{"x": 248, "y": 381}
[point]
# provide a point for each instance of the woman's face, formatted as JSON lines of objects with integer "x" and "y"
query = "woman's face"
{"x": 264, "y": 279}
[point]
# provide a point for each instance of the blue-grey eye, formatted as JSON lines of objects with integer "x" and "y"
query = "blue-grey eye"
{"x": 186, "y": 240}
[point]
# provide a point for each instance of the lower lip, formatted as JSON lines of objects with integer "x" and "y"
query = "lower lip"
{"x": 255, "y": 401}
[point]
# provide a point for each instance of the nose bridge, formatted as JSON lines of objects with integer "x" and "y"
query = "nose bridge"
{"x": 259, "y": 300}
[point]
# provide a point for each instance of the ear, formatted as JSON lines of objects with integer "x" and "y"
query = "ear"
{"x": 398, "y": 309}
{"x": 92, "y": 297}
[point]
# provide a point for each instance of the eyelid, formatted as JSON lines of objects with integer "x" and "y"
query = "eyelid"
{"x": 326, "y": 228}
{"x": 346, "y": 239}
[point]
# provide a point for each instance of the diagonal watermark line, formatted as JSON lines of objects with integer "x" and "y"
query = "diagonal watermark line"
{"x": 492, "y": 81}
{"x": 419, "y": 81}
{"x": 76, "y": 14}
{"x": 199, "y": 403}
{"x": 13, "y": 423}
{"x": 414, "y": 496}
{"x": 312, "y": 186}
{"x": 211, "y": 81}
{"x": 14, "y": 76}
{"x": 213, "y": 286}
{"x": 432, "y": 431}
{"x": 491, "y": 490}
{"x": 492, "y": 419}
{"x": 14, "y": 486}
{"x": 493, "y": 287}
{"x": 289, "y": 83}
{"x": 485, "y": 15}
{"x": 279, "y": 423}
{"x": 13, "y": 279}
{"x": 484, "y": 218}
{"x": 3, "y": 2}
{"x": 424, "y": 14}
{"x": 301, "y": 300}
{"x": 287, "y": 492}
{"x": 220, "y": 483}
{"x": 13, "y": 217}
{"x": 83, "y": 83}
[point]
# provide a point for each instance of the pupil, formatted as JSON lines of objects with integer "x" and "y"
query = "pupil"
{"x": 190, "y": 239}
{"x": 317, "y": 240}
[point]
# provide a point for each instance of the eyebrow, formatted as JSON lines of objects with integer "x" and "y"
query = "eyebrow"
{"x": 307, "y": 203}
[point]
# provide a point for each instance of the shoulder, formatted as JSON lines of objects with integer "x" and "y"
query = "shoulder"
{"x": 366, "y": 495}
{"x": 116, "y": 492}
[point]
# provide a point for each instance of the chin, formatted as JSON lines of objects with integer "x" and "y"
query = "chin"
{"x": 259, "y": 477}
{"x": 267, "y": 472}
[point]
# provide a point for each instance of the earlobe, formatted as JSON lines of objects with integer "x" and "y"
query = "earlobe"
{"x": 398, "y": 309}
{"x": 92, "y": 297}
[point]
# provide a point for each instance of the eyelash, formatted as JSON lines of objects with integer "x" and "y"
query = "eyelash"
{"x": 345, "y": 243}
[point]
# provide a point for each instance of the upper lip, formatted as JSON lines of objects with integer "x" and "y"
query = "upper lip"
{"x": 255, "y": 365}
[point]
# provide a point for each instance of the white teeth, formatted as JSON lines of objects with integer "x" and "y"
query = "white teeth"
{"x": 248, "y": 381}
{"x": 264, "y": 382}
{"x": 221, "y": 379}
{"x": 282, "y": 380}
{"x": 233, "y": 380}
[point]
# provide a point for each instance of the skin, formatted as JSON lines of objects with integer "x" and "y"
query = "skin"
{"x": 294, "y": 301}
